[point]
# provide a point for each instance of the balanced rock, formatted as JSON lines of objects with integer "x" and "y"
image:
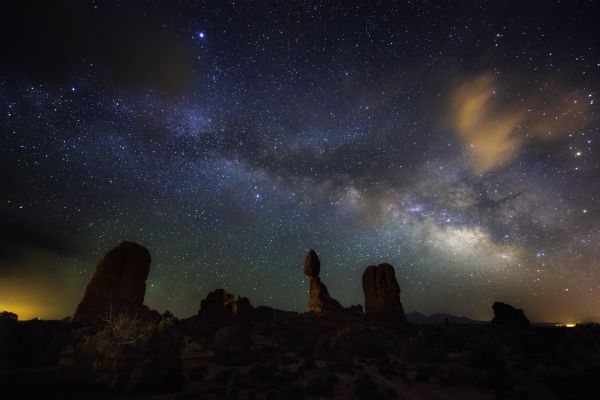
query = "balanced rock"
{"x": 319, "y": 300}
{"x": 118, "y": 285}
{"x": 382, "y": 293}
{"x": 219, "y": 306}
{"x": 312, "y": 264}
{"x": 506, "y": 315}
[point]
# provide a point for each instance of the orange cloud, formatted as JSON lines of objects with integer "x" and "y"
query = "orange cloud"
{"x": 494, "y": 132}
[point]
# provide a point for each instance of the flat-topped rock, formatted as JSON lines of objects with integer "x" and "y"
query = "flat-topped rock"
{"x": 506, "y": 315}
{"x": 382, "y": 292}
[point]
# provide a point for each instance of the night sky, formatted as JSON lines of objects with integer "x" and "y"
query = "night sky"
{"x": 458, "y": 141}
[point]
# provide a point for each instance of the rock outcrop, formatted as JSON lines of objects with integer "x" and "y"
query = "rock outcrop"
{"x": 221, "y": 307}
{"x": 382, "y": 292}
{"x": 506, "y": 315}
{"x": 244, "y": 310}
{"x": 118, "y": 285}
{"x": 218, "y": 306}
{"x": 319, "y": 300}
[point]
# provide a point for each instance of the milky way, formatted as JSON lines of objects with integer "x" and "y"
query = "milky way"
{"x": 458, "y": 143}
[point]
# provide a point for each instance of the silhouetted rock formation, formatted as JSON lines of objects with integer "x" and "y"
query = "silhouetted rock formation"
{"x": 243, "y": 306}
{"x": 356, "y": 309}
{"x": 118, "y": 285}
{"x": 507, "y": 316}
{"x": 382, "y": 293}
{"x": 319, "y": 300}
{"x": 219, "y": 306}
{"x": 312, "y": 264}
{"x": 246, "y": 312}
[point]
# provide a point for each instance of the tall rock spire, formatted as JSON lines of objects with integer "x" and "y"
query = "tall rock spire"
{"x": 319, "y": 300}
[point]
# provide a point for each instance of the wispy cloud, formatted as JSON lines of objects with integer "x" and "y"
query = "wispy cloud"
{"x": 494, "y": 130}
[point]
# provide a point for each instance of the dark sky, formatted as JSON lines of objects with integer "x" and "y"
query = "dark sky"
{"x": 457, "y": 141}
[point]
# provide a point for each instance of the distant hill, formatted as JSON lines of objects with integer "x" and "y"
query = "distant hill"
{"x": 415, "y": 317}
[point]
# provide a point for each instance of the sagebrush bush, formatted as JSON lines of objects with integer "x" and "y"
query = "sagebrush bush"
{"x": 232, "y": 343}
{"x": 348, "y": 343}
{"x": 131, "y": 354}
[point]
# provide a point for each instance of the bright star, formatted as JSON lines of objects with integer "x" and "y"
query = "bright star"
{"x": 201, "y": 35}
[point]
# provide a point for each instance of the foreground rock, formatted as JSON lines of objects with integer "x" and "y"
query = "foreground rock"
{"x": 382, "y": 292}
{"x": 319, "y": 300}
{"x": 118, "y": 285}
{"x": 506, "y": 315}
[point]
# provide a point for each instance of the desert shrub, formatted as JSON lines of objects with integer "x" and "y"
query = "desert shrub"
{"x": 571, "y": 384}
{"x": 307, "y": 364}
{"x": 487, "y": 352}
{"x": 321, "y": 386}
{"x": 8, "y": 316}
{"x": 365, "y": 388}
{"x": 424, "y": 372}
{"x": 347, "y": 344}
{"x": 197, "y": 374}
{"x": 130, "y": 354}
{"x": 8, "y": 329}
{"x": 232, "y": 343}
{"x": 34, "y": 343}
{"x": 291, "y": 392}
{"x": 580, "y": 348}
{"x": 262, "y": 372}
{"x": 300, "y": 338}
{"x": 428, "y": 346}
{"x": 388, "y": 367}
{"x": 455, "y": 373}
{"x": 228, "y": 377}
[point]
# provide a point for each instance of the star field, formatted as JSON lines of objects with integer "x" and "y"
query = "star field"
{"x": 457, "y": 141}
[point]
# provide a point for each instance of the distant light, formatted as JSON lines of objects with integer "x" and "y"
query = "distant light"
{"x": 567, "y": 325}
{"x": 201, "y": 35}
{"x": 72, "y": 88}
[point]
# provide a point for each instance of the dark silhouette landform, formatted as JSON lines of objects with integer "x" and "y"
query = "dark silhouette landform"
{"x": 114, "y": 345}
{"x": 118, "y": 285}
